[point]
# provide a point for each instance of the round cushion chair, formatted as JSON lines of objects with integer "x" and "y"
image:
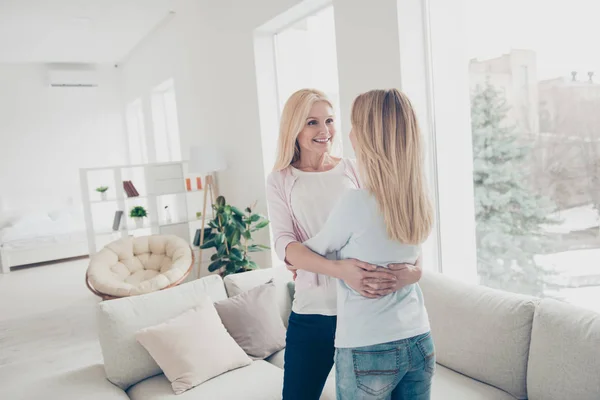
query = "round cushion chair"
{"x": 134, "y": 266}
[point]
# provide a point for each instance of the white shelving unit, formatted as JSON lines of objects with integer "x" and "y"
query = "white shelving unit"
{"x": 158, "y": 185}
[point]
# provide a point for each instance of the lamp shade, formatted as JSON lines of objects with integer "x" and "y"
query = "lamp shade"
{"x": 206, "y": 159}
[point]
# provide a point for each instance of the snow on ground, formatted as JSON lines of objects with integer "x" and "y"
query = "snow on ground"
{"x": 582, "y": 262}
{"x": 574, "y": 219}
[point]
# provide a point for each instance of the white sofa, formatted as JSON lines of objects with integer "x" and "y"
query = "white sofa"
{"x": 489, "y": 345}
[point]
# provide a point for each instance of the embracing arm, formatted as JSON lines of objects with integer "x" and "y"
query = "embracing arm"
{"x": 297, "y": 256}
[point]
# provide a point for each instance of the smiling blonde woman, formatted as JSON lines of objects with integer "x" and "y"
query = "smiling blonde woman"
{"x": 304, "y": 187}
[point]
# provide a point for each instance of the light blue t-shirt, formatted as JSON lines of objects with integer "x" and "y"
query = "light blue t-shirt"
{"x": 356, "y": 229}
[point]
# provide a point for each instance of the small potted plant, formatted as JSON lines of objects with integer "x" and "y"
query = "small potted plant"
{"x": 138, "y": 213}
{"x": 102, "y": 190}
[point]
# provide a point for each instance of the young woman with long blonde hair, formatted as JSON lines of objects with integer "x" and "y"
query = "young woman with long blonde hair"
{"x": 306, "y": 183}
{"x": 384, "y": 348}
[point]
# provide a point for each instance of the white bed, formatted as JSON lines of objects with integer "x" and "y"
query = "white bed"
{"x": 33, "y": 237}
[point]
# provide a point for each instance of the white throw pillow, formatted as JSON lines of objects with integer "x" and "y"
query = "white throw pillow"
{"x": 193, "y": 347}
{"x": 126, "y": 362}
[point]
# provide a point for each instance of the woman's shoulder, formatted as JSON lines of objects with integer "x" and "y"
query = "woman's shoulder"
{"x": 277, "y": 177}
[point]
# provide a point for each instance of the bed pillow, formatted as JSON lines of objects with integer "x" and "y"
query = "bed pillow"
{"x": 30, "y": 226}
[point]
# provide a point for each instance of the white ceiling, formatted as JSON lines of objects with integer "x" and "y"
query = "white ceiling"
{"x": 73, "y": 31}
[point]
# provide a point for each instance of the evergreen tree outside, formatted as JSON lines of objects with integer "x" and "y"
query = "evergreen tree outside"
{"x": 509, "y": 214}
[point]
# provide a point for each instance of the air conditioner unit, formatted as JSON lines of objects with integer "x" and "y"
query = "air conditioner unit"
{"x": 83, "y": 78}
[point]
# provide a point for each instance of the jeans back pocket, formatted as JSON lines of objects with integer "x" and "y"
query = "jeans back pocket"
{"x": 427, "y": 349}
{"x": 377, "y": 370}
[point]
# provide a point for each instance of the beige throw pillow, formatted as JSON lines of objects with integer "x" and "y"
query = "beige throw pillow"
{"x": 252, "y": 319}
{"x": 193, "y": 347}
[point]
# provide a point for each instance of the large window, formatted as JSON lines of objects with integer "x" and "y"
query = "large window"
{"x": 166, "y": 127}
{"x": 535, "y": 101}
{"x": 306, "y": 57}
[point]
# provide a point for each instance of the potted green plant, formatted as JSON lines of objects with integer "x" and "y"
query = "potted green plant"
{"x": 231, "y": 237}
{"x": 102, "y": 190}
{"x": 138, "y": 213}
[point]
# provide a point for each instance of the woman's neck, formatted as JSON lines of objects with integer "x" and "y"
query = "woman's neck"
{"x": 316, "y": 162}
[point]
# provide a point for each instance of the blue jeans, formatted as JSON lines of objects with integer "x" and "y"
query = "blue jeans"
{"x": 308, "y": 358}
{"x": 400, "y": 370}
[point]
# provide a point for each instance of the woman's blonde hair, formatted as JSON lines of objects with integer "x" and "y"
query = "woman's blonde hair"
{"x": 293, "y": 119}
{"x": 390, "y": 160}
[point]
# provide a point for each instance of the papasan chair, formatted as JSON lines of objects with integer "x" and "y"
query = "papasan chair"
{"x": 134, "y": 266}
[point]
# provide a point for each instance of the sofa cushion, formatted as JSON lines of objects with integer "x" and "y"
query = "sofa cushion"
{"x": 126, "y": 362}
{"x": 277, "y": 359}
{"x": 252, "y": 319}
{"x": 239, "y": 283}
{"x": 564, "y": 359}
{"x": 448, "y": 384}
{"x": 193, "y": 347}
{"x": 258, "y": 381}
{"x": 480, "y": 332}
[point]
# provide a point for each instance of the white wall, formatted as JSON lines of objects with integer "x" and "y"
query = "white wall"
{"x": 208, "y": 49}
{"x": 47, "y": 134}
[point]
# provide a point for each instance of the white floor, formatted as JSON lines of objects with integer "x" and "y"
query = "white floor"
{"x": 47, "y": 323}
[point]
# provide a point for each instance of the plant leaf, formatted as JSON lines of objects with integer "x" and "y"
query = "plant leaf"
{"x": 216, "y": 265}
{"x": 230, "y": 230}
{"x": 236, "y": 255}
{"x": 237, "y": 211}
{"x": 261, "y": 225}
{"x": 252, "y": 265}
{"x": 208, "y": 244}
{"x": 208, "y": 237}
{"x": 254, "y": 217}
{"x": 214, "y": 257}
{"x": 239, "y": 220}
{"x": 247, "y": 235}
{"x": 235, "y": 238}
{"x": 230, "y": 268}
{"x": 221, "y": 201}
{"x": 242, "y": 264}
{"x": 254, "y": 248}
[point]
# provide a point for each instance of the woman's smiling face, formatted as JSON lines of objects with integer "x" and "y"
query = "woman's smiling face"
{"x": 319, "y": 130}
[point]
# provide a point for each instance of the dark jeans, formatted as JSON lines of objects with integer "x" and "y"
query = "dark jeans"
{"x": 309, "y": 353}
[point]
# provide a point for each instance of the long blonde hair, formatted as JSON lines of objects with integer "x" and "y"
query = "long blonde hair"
{"x": 390, "y": 160}
{"x": 293, "y": 118}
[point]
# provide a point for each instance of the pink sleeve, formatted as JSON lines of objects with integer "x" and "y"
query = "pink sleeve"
{"x": 282, "y": 225}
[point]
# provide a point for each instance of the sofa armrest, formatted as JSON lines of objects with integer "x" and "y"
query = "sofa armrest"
{"x": 88, "y": 383}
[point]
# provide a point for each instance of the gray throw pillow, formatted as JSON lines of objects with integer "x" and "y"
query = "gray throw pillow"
{"x": 252, "y": 319}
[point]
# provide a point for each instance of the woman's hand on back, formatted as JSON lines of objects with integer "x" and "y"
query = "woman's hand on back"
{"x": 406, "y": 274}
{"x": 366, "y": 279}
